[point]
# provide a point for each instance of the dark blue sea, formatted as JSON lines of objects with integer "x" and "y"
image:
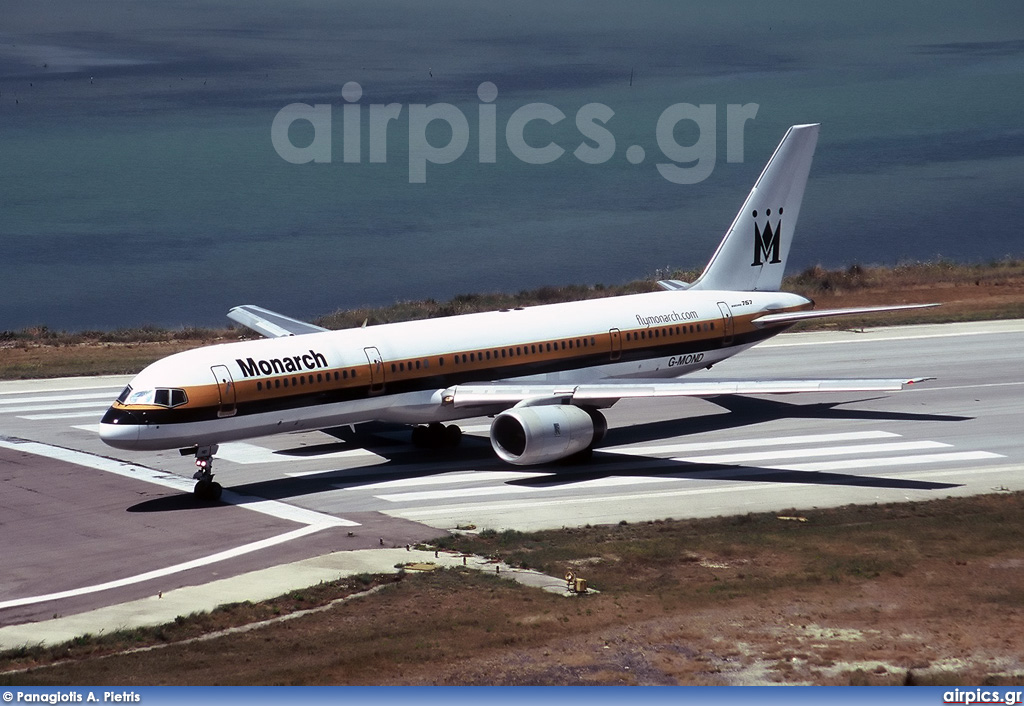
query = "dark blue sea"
{"x": 140, "y": 182}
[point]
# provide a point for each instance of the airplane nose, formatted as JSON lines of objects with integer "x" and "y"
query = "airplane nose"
{"x": 120, "y": 429}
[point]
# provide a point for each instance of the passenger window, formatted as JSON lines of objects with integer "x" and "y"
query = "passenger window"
{"x": 259, "y": 386}
{"x": 277, "y": 384}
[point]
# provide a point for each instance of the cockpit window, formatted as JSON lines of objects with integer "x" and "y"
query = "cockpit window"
{"x": 141, "y": 397}
{"x": 124, "y": 394}
{"x": 161, "y": 397}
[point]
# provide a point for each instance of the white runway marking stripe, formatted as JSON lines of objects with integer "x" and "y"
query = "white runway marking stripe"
{"x": 448, "y": 479}
{"x": 827, "y": 451}
{"x": 890, "y": 461}
{"x": 533, "y": 504}
{"x": 962, "y": 472}
{"x": 112, "y": 391}
{"x": 482, "y": 491}
{"x": 169, "y": 480}
{"x": 100, "y": 406}
{"x": 744, "y": 443}
{"x": 93, "y": 414}
{"x": 168, "y": 570}
{"x": 246, "y": 453}
{"x": 59, "y": 398}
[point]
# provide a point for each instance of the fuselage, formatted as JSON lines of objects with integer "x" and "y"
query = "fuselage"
{"x": 399, "y": 372}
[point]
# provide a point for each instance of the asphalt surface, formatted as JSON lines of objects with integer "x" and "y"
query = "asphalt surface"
{"x": 85, "y": 526}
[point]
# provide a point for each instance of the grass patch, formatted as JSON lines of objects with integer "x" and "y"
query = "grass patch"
{"x": 907, "y": 587}
{"x": 187, "y": 627}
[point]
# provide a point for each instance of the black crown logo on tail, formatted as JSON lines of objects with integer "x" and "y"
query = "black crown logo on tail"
{"x": 766, "y": 242}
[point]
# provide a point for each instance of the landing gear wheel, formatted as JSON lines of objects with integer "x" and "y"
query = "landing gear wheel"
{"x": 208, "y": 490}
{"x": 452, "y": 435}
{"x": 437, "y": 436}
{"x": 419, "y": 436}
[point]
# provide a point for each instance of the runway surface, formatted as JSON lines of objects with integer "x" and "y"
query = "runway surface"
{"x": 84, "y": 525}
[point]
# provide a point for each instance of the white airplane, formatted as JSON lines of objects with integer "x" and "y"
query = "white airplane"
{"x": 542, "y": 372}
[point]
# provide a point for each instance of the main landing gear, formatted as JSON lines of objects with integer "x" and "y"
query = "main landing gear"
{"x": 206, "y": 488}
{"x": 437, "y": 436}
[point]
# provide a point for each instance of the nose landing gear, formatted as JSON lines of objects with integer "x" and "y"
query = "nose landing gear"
{"x": 206, "y": 488}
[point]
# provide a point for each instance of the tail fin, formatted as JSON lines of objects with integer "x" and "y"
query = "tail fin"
{"x": 752, "y": 255}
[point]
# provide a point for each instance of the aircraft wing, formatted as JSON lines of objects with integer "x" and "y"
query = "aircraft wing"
{"x": 269, "y": 323}
{"x": 794, "y": 316}
{"x": 607, "y": 394}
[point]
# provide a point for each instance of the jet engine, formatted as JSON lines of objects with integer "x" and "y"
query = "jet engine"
{"x": 530, "y": 435}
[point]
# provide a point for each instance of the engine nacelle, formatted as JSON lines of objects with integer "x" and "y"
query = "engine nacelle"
{"x": 530, "y": 435}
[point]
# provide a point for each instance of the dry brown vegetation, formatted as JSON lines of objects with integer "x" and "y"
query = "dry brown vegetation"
{"x": 967, "y": 292}
{"x": 929, "y": 593}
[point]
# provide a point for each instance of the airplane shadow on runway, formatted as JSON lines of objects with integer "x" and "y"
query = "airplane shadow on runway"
{"x": 404, "y": 461}
{"x": 749, "y": 411}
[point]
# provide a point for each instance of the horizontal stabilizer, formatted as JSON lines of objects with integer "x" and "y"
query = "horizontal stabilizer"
{"x": 793, "y": 317}
{"x": 269, "y": 323}
{"x": 673, "y": 285}
{"x": 607, "y": 394}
